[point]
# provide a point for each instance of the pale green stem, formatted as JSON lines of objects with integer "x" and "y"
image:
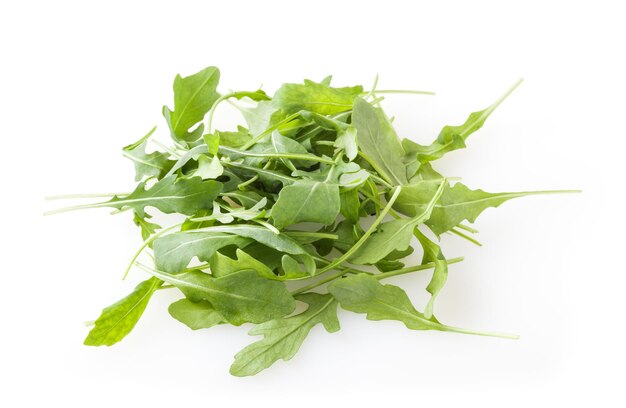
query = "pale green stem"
{"x": 370, "y": 231}
{"x": 167, "y": 149}
{"x": 269, "y": 131}
{"x": 319, "y": 235}
{"x": 222, "y": 98}
{"x": 462, "y": 235}
{"x": 467, "y": 228}
{"x": 145, "y": 245}
{"x": 246, "y": 183}
{"x": 73, "y": 196}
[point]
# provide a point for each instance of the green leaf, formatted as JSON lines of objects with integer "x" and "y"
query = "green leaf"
{"x": 347, "y": 141}
{"x": 458, "y": 203}
{"x": 349, "y": 207}
{"x": 222, "y": 265}
{"x": 155, "y": 164}
{"x": 378, "y": 141}
{"x": 208, "y": 168}
{"x": 306, "y": 200}
{"x": 453, "y": 137}
{"x": 117, "y": 320}
{"x": 283, "y": 337}
{"x": 147, "y": 228}
{"x": 193, "y": 97}
{"x": 258, "y": 117}
{"x": 363, "y": 293}
{"x": 173, "y": 252}
{"x": 240, "y": 297}
{"x": 185, "y": 196}
{"x": 393, "y": 235}
{"x": 314, "y": 97}
{"x": 433, "y": 253}
{"x": 234, "y": 139}
{"x": 195, "y": 315}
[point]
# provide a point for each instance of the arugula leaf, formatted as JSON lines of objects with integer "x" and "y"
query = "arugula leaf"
{"x": 155, "y": 164}
{"x": 240, "y": 297}
{"x": 433, "y": 253}
{"x": 170, "y": 195}
{"x": 193, "y": 97}
{"x": 315, "y": 97}
{"x": 222, "y": 265}
{"x": 453, "y": 137}
{"x": 393, "y": 235}
{"x": 363, "y": 293}
{"x": 306, "y": 200}
{"x": 208, "y": 168}
{"x": 458, "y": 203}
{"x": 117, "y": 320}
{"x": 283, "y": 337}
{"x": 378, "y": 142}
{"x": 173, "y": 252}
{"x": 234, "y": 139}
{"x": 195, "y": 315}
{"x": 147, "y": 228}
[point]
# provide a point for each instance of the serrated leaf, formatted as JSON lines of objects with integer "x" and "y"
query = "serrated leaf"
{"x": 193, "y": 97}
{"x": 363, "y": 293}
{"x": 185, "y": 196}
{"x": 283, "y": 337}
{"x": 173, "y": 252}
{"x": 117, "y": 320}
{"x": 433, "y": 253}
{"x": 315, "y": 97}
{"x": 453, "y": 137}
{"x": 155, "y": 164}
{"x": 195, "y": 315}
{"x": 222, "y": 265}
{"x": 240, "y": 297}
{"x": 208, "y": 168}
{"x": 147, "y": 228}
{"x": 457, "y": 203}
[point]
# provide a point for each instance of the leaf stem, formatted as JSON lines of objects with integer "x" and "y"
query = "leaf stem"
{"x": 480, "y": 333}
{"x": 370, "y": 231}
{"x": 465, "y": 236}
{"x": 269, "y": 130}
{"x": 145, "y": 245}
{"x": 416, "y": 268}
{"x": 73, "y": 196}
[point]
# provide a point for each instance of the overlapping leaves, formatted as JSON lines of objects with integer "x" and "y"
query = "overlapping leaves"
{"x": 317, "y": 183}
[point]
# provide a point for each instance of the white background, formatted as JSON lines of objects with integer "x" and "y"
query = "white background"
{"x": 79, "y": 80}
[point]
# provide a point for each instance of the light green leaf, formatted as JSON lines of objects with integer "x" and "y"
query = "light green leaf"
{"x": 458, "y": 203}
{"x": 222, "y": 265}
{"x": 283, "y": 337}
{"x": 349, "y": 208}
{"x": 433, "y": 253}
{"x": 240, "y": 297}
{"x": 393, "y": 235}
{"x": 363, "y": 293}
{"x": 185, "y": 196}
{"x": 193, "y": 97}
{"x": 195, "y": 315}
{"x": 234, "y": 139}
{"x": 208, "y": 168}
{"x": 306, "y": 201}
{"x": 378, "y": 141}
{"x": 314, "y": 97}
{"x": 147, "y": 228}
{"x": 453, "y": 137}
{"x": 173, "y": 252}
{"x": 155, "y": 164}
{"x": 117, "y": 320}
{"x": 258, "y": 117}
{"x": 347, "y": 141}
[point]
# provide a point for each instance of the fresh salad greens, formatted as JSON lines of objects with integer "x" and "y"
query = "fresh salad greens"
{"x": 316, "y": 200}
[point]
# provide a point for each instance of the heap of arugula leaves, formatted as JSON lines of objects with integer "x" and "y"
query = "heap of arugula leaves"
{"x": 317, "y": 189}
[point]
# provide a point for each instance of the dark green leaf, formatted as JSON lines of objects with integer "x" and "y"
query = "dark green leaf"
{"x": 306, "y": 200}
